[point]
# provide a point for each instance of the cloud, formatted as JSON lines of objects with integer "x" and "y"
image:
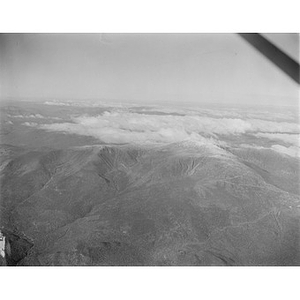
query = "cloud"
{"x": 32, "y": 116}
{"x": 274, "y": 127}
{"x": 292, "y": 139}
{"x": 126, "y": 127}
{"x": 116, "y": 134}
{"x": 292, "y": 151}
{"x": 224, "y": 112}
{"x": 37, "y": 116}
{"x": 58, "y": 103}
{"x": 88, "y": 103}
{"x": 15, "y": 116}
{"x": 270, "y": 116}
{"x": 31, "y": 124}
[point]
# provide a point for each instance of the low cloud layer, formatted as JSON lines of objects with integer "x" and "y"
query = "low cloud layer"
{"x": 292, "y": 151}
{"x": 31, "y": 124}
{"x": 126, "y": 127}
{"x": 220, "y": 112}
{"x": 292, "y": 139}
{"x": 88, "y": 103}
{"x": 31, "y": 116}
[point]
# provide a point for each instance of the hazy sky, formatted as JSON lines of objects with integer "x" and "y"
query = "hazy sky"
{"x": 145, "y": 67}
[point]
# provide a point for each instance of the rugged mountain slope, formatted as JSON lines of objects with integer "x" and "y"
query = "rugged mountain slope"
{"x": 180, "y": 204}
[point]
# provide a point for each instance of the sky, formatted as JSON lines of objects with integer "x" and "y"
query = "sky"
{"x": 176, "y": 68}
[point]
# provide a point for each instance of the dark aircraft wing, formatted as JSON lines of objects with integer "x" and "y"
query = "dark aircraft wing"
{"x": 288, "y": 65}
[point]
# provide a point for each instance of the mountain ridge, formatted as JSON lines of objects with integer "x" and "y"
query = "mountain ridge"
{"x": 164, "y": 205}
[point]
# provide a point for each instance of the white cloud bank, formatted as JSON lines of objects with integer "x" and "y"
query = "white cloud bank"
{"x": 292, "y": 139}
{"x": 88, "y": 103}
{"x": 32, "y": 116}
{"x": 57, "y": 103}
{"x": 222, "y": 112}
{"x": 31, "y": 124}
{"x": 290, "y": 151}
{"x": 126, "y": 127}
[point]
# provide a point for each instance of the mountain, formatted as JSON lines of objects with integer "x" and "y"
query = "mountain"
{"x": 184, "y": 203}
